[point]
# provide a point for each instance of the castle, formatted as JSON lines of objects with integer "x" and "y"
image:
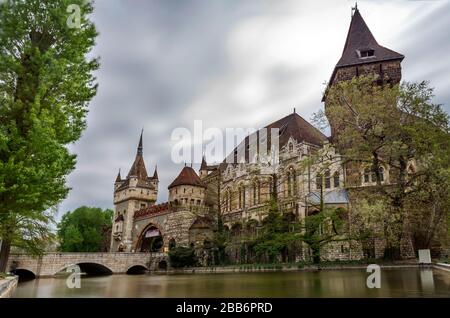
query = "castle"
{"x": 241, "y": 191}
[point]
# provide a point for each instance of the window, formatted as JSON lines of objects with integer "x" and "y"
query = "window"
{"x": 366, "y": 53}
{"x": 142, "y": 205}
{"x": 241, "y": 197}
{"x": 255, "y": 193}
{"x": 381, "y": 170}
{"x": 327, "y": 179}
{"x": 336, "y": 179}
{"x": 366, "y": 175}
{"x": 291, "y": 147}
{"x": 319, "y": 182}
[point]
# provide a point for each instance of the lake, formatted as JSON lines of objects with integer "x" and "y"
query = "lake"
{"x": 395, "y": 282}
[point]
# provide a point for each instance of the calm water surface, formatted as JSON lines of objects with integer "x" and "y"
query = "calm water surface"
{"x": 399, "y": 282}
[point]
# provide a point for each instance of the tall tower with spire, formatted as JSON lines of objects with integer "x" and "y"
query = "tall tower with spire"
{"x": 133, "y": 193}
{"x": 362, "y": 55}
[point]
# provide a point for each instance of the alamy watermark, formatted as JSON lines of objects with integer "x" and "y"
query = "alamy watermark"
{"x": 374, "y": 279}
{"x": 74, "y": 279}
{"x": 74, "y": 19}
{"x": 239, "y": 145}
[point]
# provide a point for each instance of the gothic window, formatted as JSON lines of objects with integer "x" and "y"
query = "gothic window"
{"x": 381, "y": 170}
{"x": 291, "y": 147}
{"x": 241, "y": 197}
{"x": 319, "y": 181}
{"x": 255, "y": 193}
{"x": 336, "y": 179}
{"x": 327, "y": 179}
{"x": 366, "y": 175}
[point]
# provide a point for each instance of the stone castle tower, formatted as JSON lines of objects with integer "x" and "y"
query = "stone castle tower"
{"x": 362, "y": 55}
{"x": 133, "y": 193}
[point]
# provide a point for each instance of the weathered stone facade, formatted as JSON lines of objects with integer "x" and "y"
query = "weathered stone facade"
{"x": 240, "y": 190}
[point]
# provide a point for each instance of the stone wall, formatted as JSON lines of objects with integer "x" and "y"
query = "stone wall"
{"x": 7, "y": 286}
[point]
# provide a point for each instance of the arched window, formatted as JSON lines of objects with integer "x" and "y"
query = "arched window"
{"x": 291, "y": 181}
{"x": 291, "y": 147}
{"x": 230, "y": 207}
{"x": 241, "y": 197}
{"x": 255, "y": 193}
{"x": 336, "y": 180}
{"x": 225, "y": 201}
{"x": 327, "y": 179}
{"x": 319, "y": 181}
{"x": 381, "y": 170}
{"x": 366, "y": 175}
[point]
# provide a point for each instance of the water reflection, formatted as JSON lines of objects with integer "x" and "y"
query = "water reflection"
{"x": 398, "y": 282}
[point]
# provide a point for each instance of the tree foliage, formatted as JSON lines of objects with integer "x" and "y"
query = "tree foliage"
{"x": 84, "y": 229}
{"x": 399, "y": 128}
{"x": 46, "y": 83}
{"x": 181, "y": 256}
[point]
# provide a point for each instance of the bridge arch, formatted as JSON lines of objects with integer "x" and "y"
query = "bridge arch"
{"x": 24, "y": 274}
{"x": 89, "y": 268}
{"x": 137, "y": 269}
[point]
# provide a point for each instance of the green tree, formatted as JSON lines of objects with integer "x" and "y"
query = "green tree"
{"x": 84, "y": 229}
{"x": 277, "y": 236}
{"x": 46, "y": 83}
{"x": 395, "y": 127}
{"x": 181, "y": 256}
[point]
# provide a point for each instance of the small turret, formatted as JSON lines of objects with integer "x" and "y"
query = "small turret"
{"x": 187, "y": 188}
{"x": 203, "y": 168}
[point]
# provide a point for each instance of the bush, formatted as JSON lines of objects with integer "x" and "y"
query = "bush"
{"x": 182, "y": 257}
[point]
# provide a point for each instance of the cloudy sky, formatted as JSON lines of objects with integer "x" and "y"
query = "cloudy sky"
{"x": 229, "y": 63}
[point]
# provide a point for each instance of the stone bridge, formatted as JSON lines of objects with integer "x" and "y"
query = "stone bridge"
{"x": 91, "y": 263}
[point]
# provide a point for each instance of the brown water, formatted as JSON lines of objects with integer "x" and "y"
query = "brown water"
{"x": 398, "y": 282}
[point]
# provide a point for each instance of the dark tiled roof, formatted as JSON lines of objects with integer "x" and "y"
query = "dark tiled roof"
{"x": 296, "y": 126}
{"x": 204, "y": 165}
{"x": 293, "y": 126}
{"x": 187, "y": 176}
{"x": 155, "y": 174}
{"x": 138, "y": 168}
{"x": 359, "y": 38}
{"x": 119, "y": 178}
{"x": 152, "y": 210}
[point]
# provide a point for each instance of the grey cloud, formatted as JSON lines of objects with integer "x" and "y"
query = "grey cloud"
{"x": 165, "y": 63}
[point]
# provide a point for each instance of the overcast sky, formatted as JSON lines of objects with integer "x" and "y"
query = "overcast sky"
{"x": 229, "y": 63}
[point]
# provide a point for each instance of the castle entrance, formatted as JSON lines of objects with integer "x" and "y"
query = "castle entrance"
{"x": 151, "y": 240}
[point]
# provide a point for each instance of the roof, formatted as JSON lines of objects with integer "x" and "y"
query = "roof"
{"x": 187, "y": 176}
{"x": 330, "y": 197}
{"x": 292, "y": 125}
{"x": 137, "y": 170}
{"x": 152, "y": 210}
{"x": 298, "y": 128}
{"x": 359, "y": 38}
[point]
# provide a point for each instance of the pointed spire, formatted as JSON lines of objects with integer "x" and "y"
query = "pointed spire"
{"x": 140, "y": 147}
{"x": 155, "y": 174}
{"x": 361, "y": 46}
{"x": 138, "y": 167}
{"x": 119, "y": 178}
{"x": 203, "y": 165}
